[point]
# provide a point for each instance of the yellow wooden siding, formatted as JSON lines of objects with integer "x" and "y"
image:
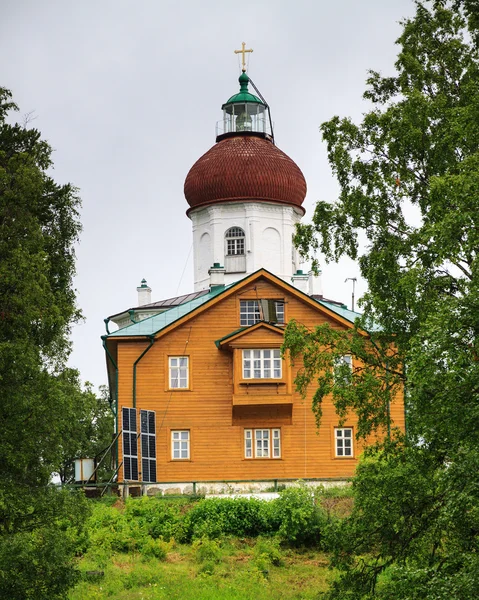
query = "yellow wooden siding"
{"x": 206, "y": 409}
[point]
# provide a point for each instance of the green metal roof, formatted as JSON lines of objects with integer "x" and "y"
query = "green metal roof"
{"x": 156, "y": 323}
{"x": 228, "y": 335}
{"x": 241, "y": 329}
{"x": 347, "y": 314}
{"x": 153, "y": 325}
{"x": 243, "y": 95}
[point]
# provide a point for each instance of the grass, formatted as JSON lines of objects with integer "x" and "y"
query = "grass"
{"x": 241, "y": 570}
{"x": 134, "y": 552}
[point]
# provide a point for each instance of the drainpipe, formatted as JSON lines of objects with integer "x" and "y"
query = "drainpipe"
{"x": 115, "y": 396}
{"x": 388, "y": 403}
{"x": 107, "y": 322}
{"x": 152, "y": 341}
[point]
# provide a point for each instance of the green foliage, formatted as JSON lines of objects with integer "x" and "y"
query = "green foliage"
{"x": 408, "y": 177}
{"x": 301, "y": 520}
{"x": 241, "y": 517}
{"x": 40, "y": 397}
{"x": 207, "y": 551}
{"x": 36, "y": 562}
{"x": 268, "y": 550}
{"x": 88, "y": 431}
{"x": 156, "y": 517}
{"x": 156, "y": 548}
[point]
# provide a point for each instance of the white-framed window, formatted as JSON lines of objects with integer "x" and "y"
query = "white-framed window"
{"x": 130, "y": 444}
{"x": 180, "y": 444}
{"x": 343, "y": 441}
{"x": 178, "y": 372}
{"x": 235, "y": 241}
{"x": 262, "y": 443}
{"x": 148, "y": 445}
{"x": 262, "y": 364}
{"x": 343, "y": 369}
{"x": 251, "y": 312}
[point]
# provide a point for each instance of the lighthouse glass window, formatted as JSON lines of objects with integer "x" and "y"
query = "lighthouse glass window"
{"x": 262, "y": 364}
{"x": 234, "y": 241}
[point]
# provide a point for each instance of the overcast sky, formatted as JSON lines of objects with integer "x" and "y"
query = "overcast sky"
{"x": 128, "y": 94}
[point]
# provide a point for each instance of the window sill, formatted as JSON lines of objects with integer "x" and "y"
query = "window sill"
{"x": 263, "y": 458}
{"x": 260, "y": 381}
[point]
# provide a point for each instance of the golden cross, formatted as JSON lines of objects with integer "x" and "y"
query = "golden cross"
{"x": 243, "y": 51}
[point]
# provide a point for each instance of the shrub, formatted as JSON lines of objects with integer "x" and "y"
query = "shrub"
{"x": 207, "y": 551}
{"x": 156, "y": 548}
{"x": 301, "y": 520}
{"x": 240, "y": 517}
{"x": 156, "y": 517}
{"x": 112, "y": 530}
{"x": 268, "y": 550}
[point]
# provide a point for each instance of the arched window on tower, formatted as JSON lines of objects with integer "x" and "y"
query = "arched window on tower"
{"x": 235, "y": 255}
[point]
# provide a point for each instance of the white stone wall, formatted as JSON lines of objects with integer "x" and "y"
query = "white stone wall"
{"x": 268, "y": 228}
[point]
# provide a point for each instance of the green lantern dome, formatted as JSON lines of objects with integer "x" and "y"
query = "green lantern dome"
{"x": 243, "y": 95}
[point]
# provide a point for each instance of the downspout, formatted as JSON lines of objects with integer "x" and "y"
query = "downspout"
{"x": 388, "y": 403}
{"x": 405, "y": 405}
{"x": 152, "y": 341}
{"x": 115, "y": 409}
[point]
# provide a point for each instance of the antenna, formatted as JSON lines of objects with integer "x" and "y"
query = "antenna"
{"x": 353, "y": 279}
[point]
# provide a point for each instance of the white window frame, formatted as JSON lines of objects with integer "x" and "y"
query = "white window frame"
{"x": 343, "y": 449}
{"x": 262, "y": 363}
{"x": 235, "y": 242}
{"x": 181, "y": 444}
{"x": 178, "y": 374}
{"x": 250, "y": 312}
{"x": 262, "y": 442}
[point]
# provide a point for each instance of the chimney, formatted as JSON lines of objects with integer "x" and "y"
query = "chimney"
{"x": 144, "y": 293}
{"x": 217, "y": 276}
{"x": 300, "y": 281}
{"x": 315, "y": 284}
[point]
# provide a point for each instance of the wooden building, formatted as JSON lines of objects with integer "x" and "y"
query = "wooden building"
{"x": 201, "y": 390}
{"x": 205, "y": 391}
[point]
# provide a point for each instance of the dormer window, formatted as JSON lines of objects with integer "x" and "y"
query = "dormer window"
{"x": 234, "y": 238}
{"x": 253, "y": 311}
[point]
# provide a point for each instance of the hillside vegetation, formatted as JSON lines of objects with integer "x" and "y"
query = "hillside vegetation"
{"x": 210, "y": 548}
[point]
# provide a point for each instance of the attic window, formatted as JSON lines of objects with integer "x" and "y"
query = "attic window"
{"x": 253, "y": 311}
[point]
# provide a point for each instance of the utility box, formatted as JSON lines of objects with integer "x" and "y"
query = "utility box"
{"x": 84, "y": 468}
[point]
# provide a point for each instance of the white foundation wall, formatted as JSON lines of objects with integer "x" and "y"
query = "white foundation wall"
{"x": 269, "y": 230}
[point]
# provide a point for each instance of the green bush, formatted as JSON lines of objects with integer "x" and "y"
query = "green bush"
{"x": 113, "y": 530}
{"x": 207, "y": 551}
{"x": 268, "y": 549}
{"x": 156, "y": 548}
{"x": 241, "y": 517}
{"x": 301, "y": 519}
{"x": 156, "y": 517}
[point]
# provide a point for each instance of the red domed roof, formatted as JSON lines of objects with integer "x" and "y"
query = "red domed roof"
{"x": 244, "y": 167}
